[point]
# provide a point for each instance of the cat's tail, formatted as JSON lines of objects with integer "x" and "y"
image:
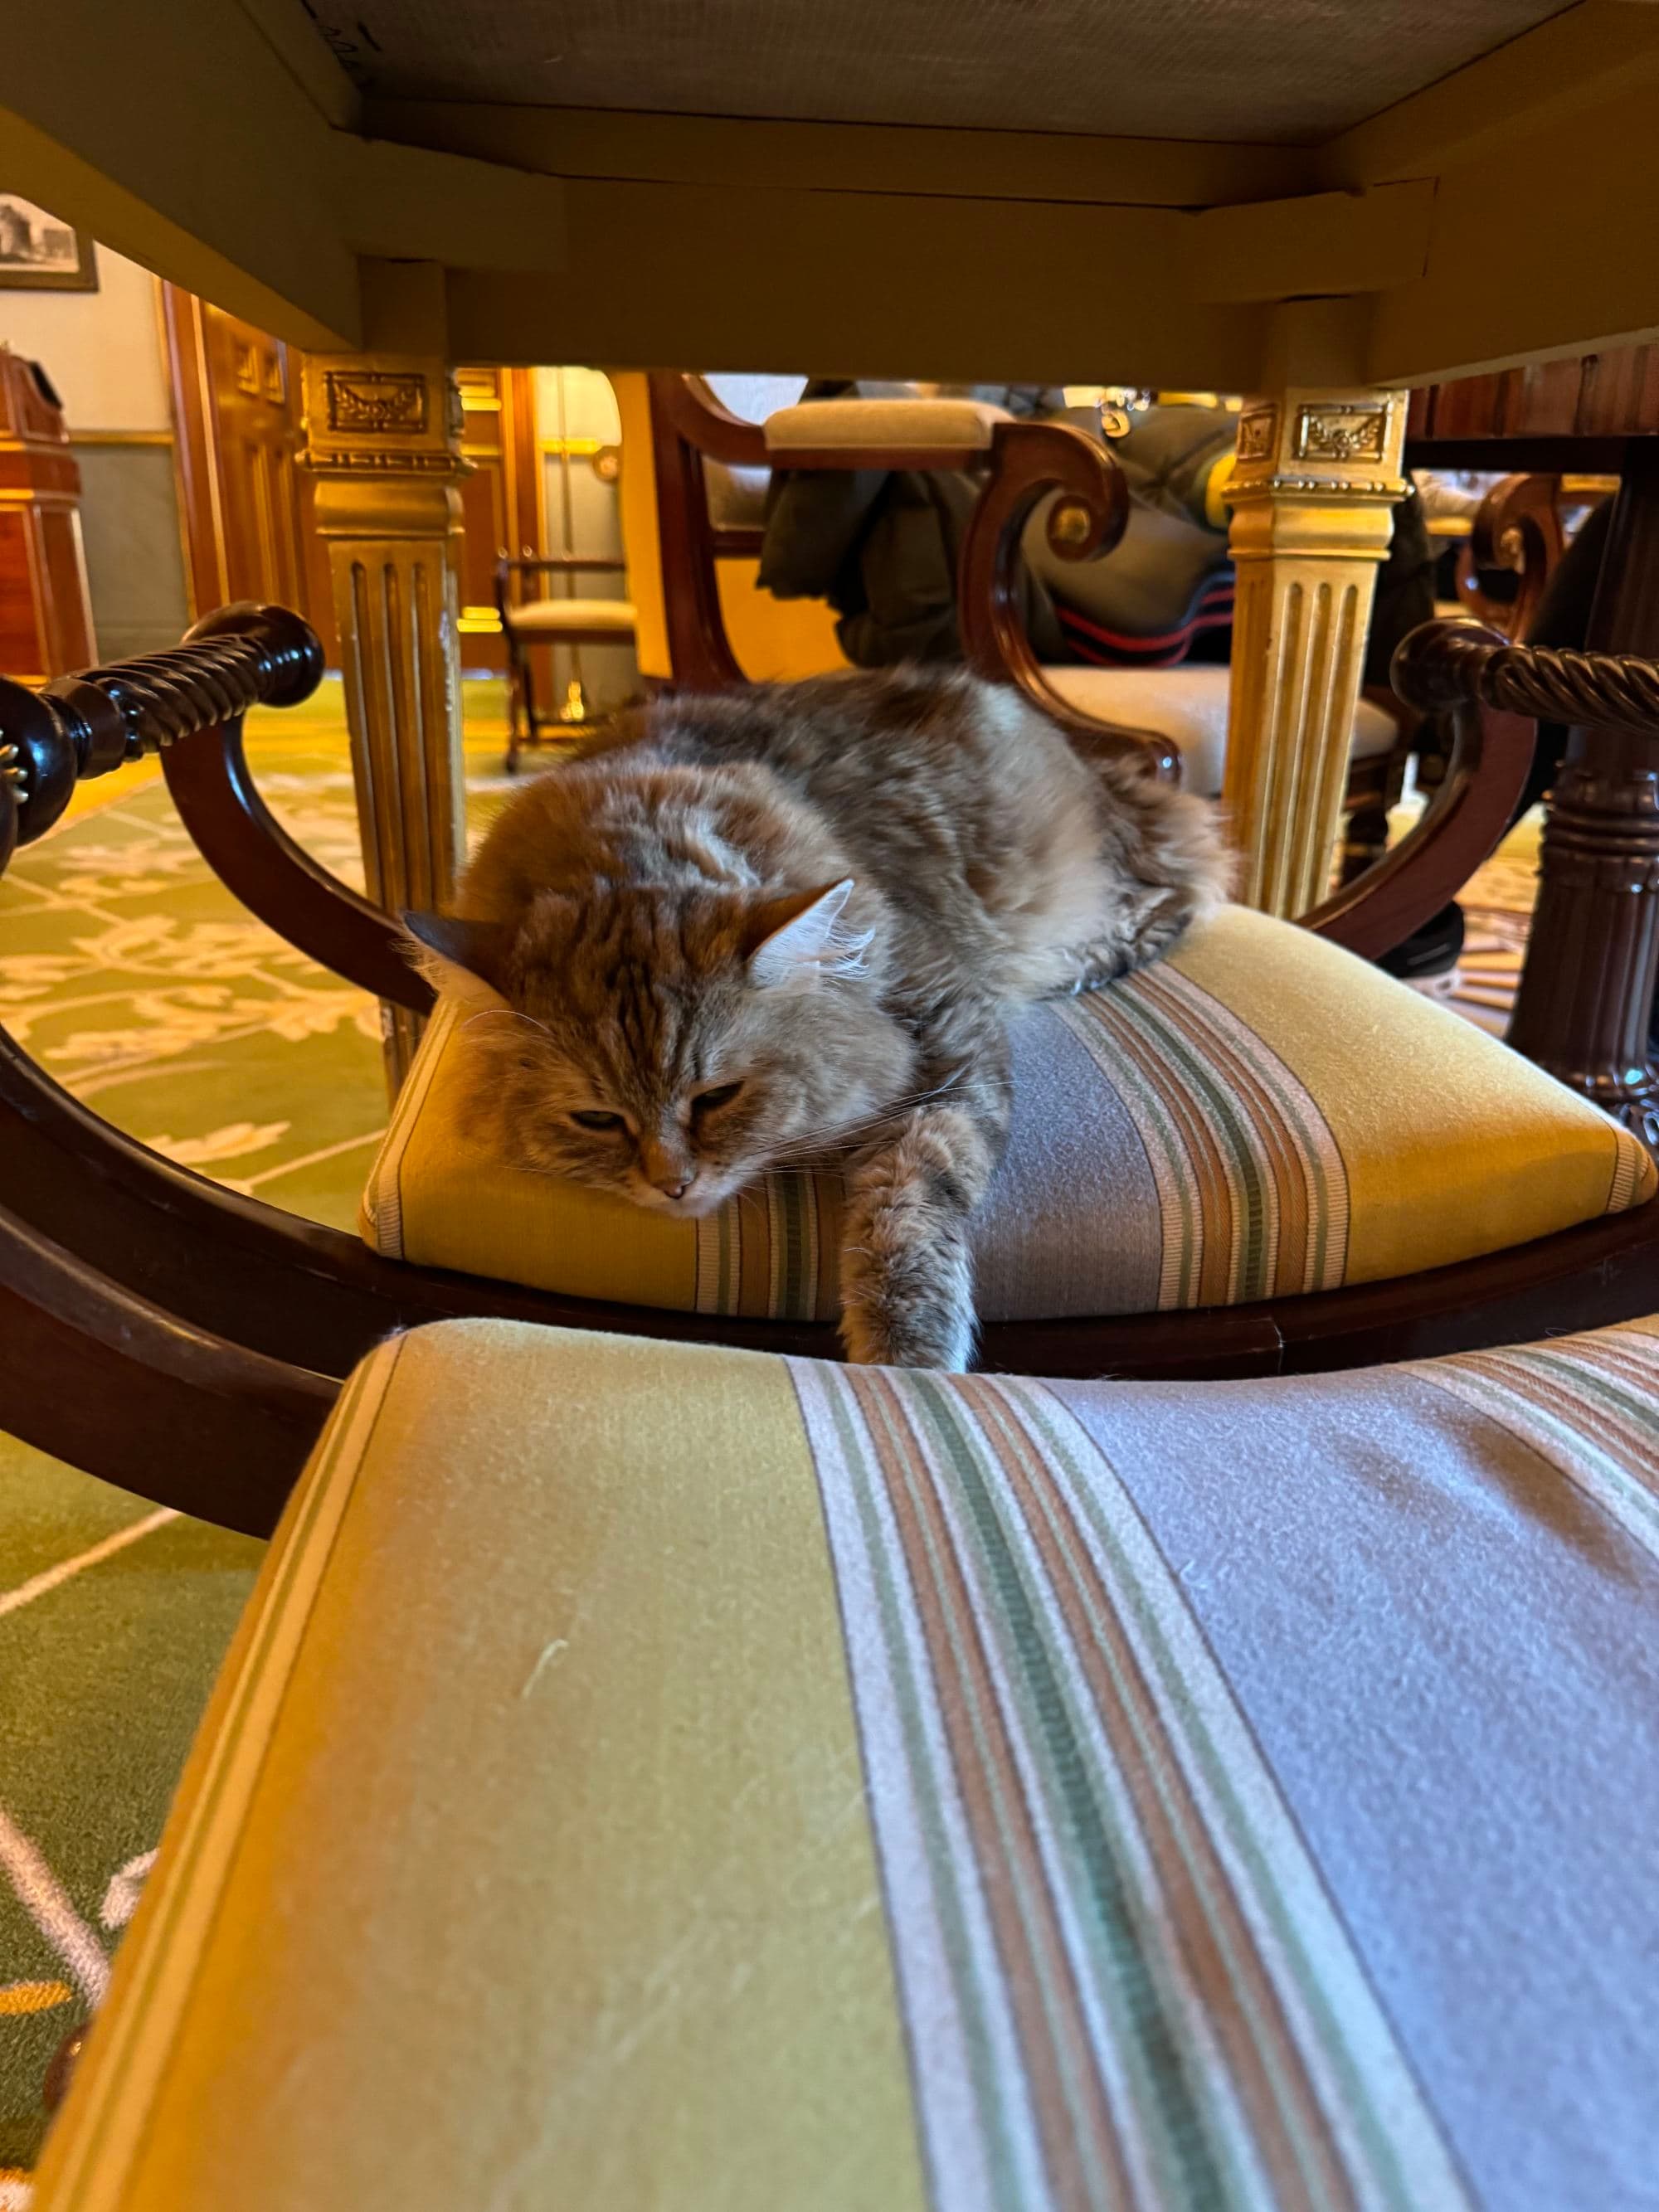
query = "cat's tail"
{"x": 1171, "y": 846}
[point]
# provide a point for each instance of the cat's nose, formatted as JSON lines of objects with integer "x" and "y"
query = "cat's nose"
{"x": 677, "y": 1182}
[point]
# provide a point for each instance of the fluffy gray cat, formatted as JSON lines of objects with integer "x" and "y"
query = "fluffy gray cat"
{"x": 788, "y": 926}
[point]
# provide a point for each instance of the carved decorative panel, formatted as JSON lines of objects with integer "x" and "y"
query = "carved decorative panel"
{"x": 386, "y": 402}
{"x": 1341, "y": 434}
{"x": 1256, "y": 432}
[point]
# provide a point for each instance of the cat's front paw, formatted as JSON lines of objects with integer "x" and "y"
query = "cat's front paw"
{"x": 937, "y": 1337}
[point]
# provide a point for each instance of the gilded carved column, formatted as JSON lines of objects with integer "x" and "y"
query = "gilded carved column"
{"x": 1312, "y": 492}
{"x": 383, "y": 442}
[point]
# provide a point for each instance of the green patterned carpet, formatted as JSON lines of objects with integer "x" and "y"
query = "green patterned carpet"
{"x": 141, "y": 985}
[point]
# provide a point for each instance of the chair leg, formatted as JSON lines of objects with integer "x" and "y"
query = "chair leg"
{"x": 1365, "y": 840}
{"x": 515, "y": 704}
{"x": 532, "y": 727}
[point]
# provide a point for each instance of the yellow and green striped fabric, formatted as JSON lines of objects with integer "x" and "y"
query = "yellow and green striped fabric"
{"x": 1259, "y": 1115}
{"x": 673, "y": 1780}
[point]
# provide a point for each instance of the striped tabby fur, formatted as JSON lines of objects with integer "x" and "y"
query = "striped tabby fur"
{"x": 788, "y": 926}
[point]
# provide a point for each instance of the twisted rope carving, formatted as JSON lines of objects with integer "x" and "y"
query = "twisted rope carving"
{"x": 87, "y": 724}
{"x": 1444, "y": 663}
{"x": 1557, "y": 684}
{"x": 164, "y": 697}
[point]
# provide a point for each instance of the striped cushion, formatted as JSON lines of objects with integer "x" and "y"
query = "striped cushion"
{"x": 676, "y": 1778}
{"x": 1259, "y": 1115}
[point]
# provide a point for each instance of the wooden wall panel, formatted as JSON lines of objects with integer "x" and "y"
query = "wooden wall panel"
{"x": 246, "y": 504}
{"x": 249, "y": 510}
{"x": 21, "y": 651}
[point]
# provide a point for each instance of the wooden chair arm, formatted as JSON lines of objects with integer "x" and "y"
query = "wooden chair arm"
{"x": 1494, "y": 692}
{"x": 187, "y": 704}
{"x": 254, "y": 857}
{"x": 89, "y": 724}
{"x": 1517, "y": 526}
{"x": 1029, "y": 461}
{"x": 96, "y": 1375}
{"x": 695, "y": 414}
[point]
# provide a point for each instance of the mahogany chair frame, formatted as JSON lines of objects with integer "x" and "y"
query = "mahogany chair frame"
{"x": 186, "y": 1342}
{"x": 1517, "y": 528}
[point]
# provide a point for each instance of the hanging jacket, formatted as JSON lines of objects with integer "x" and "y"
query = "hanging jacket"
{"x": 881, "y": 545}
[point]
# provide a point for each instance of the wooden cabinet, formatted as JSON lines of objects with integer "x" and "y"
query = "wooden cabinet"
{"x": 46, "y": 616}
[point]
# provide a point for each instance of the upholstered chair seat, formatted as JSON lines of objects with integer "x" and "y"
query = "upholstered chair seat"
{"x": 665, "y": 1775}
{"x": 557, "y": 618}
{"x": 1262, "y": 1114}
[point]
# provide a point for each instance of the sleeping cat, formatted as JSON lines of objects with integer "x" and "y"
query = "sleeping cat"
{"x": 788, "y": 926}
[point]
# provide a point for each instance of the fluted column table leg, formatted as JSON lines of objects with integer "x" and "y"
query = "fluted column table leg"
{"x": 1312, "y": 493}
{"x": 383, "y": 439}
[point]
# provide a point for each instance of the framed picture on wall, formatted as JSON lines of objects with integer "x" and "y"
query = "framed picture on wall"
{"x": 38, "y": 254}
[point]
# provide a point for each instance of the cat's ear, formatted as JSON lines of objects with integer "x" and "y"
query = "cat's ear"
{"x": 448, "y": 950}
{"x": 800, "y": 936}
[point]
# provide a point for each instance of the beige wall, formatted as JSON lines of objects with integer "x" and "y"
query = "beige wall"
{"x": 102, "y": 349}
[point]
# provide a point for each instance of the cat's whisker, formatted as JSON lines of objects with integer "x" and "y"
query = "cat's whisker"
{"x": 818, "y": 1150}
{"x": 506, "y": 1013}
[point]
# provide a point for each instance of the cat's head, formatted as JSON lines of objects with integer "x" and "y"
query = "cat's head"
{"x": 669, "y": 1046}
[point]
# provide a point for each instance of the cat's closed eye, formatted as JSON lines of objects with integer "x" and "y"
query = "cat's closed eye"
{"x": 719, "y": 1094}
{"x": 593, "y": 1118}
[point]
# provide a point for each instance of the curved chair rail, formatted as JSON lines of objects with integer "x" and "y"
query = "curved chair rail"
{"x": 252, "y": 855}
{"x": 1032, "y": 462}
{"x": 1496, "y": 692}
{"x": 111, "y": 1382}
{"x": 1440, "y": 668}
{"x": 174, "y": 1336}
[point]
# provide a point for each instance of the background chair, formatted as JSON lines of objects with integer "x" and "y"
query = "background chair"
{"x": 701, "y": 446}
{"x": 528, "y": 623}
